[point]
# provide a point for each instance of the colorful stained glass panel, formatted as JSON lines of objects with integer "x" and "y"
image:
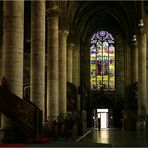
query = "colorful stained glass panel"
{"x": 102, "y": 61}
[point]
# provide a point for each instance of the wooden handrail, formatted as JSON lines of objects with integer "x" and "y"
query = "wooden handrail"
{"x": 23, "y": 112}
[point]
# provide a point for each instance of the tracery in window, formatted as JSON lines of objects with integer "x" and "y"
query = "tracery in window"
{"x": 102, "y": 62}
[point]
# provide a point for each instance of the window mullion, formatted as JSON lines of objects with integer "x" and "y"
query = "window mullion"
{"x": 108, "y": 68}
{"x": 96, "y": 66}
{"x": 102, "y": 65}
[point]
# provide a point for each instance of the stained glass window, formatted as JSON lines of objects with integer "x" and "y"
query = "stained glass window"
{"x": 102, "y": 62}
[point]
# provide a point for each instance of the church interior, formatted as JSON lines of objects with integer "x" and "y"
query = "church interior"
{"x": 69, "y": 67}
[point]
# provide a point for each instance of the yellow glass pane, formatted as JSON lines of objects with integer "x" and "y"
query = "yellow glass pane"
{"x": 93, "y": 66}
{"x": 111, "y": 78}
{"x": 111, "y": 84}
{"x": 105, "y": 82}
{"x": 99, "y": 77}
{"x": 99, "y": 55}
{"x": 93, "y": 57}
{"x": 99, "y": 49}
{"x": 99, "y": 82}
{"x": 93, "y": 81}
{"x": 105, "y": 78}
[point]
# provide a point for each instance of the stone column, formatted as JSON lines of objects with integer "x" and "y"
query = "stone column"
{"x": 13, "y": 32}
{"x": 141, "y": 70}
{"x": 147, "y": 73}
{"x": 70, "y": 48}
{"x": 1, "y": 41}
{"x": 1, "y": 57}
{"x": 52, "y": 73}
{"x": 1, "y": 60}
{"x": 146, "y": 104}
{"x": 134, "y": 60}
{"x": 62, "y": 72}
{"x": 76, "y": 71}
{"x": 37, "y": 87}
{"x": 78, "y": 76}
{"x": 75, "y": 66}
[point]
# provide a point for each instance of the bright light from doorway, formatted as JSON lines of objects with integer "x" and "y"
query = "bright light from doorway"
{"x": 103, "y": 115}
{"x": 102, "y": 110}
{"x": 103, "y": 120}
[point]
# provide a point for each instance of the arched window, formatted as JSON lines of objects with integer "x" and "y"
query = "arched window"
{"x": 102, "y": 62}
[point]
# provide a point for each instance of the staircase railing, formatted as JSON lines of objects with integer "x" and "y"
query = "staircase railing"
{"x": 23, "y": 112}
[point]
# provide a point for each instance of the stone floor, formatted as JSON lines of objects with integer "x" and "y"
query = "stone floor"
{"x": 99, "y": 138}
{"x": 117, "y": 138}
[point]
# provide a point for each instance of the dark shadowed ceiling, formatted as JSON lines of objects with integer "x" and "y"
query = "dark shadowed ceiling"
{"x": 86, "y": 17}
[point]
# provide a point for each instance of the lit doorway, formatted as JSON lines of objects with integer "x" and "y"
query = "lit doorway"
{"x": 101, "y": 118}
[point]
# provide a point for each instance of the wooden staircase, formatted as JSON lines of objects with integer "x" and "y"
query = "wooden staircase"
{"x": 26, "y": 116}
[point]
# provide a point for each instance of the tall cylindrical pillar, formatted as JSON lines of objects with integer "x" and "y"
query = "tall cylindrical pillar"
{"x": 76, "y": 78}
{"x": 70, "y": 48}
{"x": 38, "y": 53}
{"x": 76, "y": 71}
{"x": 13, "y": 33}
{"x": 134, "y": 60}
{"x": 141, "y": 71}
{"x": 52, "y": 73}
{"x": 62, "y": 72}
{"x": 75, "y": 74}
{"x": 147, "y": 75}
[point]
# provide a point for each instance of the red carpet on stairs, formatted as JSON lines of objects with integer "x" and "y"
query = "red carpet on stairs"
{"x": 13, "y": 145}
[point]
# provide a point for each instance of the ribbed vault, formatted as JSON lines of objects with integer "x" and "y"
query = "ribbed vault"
{"x": 85, "y": 17}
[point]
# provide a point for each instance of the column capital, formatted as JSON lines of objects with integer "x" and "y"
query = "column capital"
{"x": 54, "y": 11}
{"x": 64, "y": 32}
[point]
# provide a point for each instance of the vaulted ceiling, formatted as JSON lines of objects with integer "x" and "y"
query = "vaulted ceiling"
{"x": 86, "y": 17}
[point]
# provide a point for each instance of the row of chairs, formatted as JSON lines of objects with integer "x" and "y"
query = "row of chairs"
{"x": 61, "y": 127}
